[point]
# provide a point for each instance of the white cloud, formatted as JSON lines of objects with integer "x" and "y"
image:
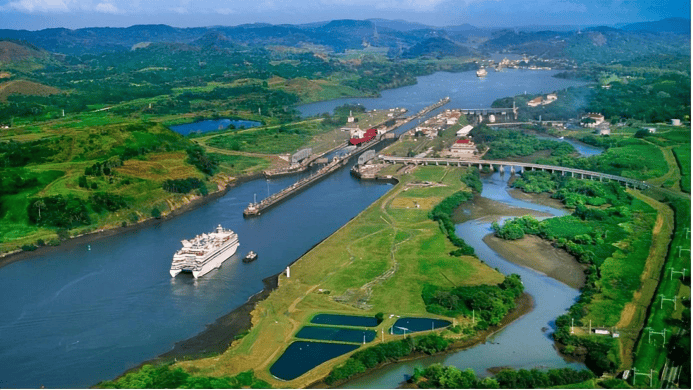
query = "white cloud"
{"x": 107, "y": 8}
{"x": 38, "y": 6}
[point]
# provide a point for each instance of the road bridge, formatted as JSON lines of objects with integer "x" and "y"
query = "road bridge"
{"x": 579, "y": 173}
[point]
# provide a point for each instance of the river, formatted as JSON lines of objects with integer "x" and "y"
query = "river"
{"x": 77, "y": 316}
{"x": 525, "y": 343}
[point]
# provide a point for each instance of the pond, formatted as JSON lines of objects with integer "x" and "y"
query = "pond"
{"x": 411, "y": 324}
{"x": 213, "y": 125}
{"x": 345, "y": 320}
{"x": 303, "y": 356}
{"x": 336, "y": 334}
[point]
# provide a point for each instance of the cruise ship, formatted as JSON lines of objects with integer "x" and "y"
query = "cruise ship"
{"x": 205, "y": 252}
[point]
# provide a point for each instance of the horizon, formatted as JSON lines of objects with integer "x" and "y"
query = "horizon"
{"x": 548, "y": 27}
{"x": 34, "y": 15}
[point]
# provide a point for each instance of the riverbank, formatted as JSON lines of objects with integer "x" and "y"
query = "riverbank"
{"x": 392, "y": 245}
{"x": 524, "y": 305}
{"x": 72, "y": 242}
{"x": 539, "y": 255}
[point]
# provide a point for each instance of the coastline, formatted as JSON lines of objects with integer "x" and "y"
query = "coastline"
{"x": 19, "y": 255}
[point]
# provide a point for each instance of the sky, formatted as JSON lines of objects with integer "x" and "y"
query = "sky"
{"x": 40, "y": 14}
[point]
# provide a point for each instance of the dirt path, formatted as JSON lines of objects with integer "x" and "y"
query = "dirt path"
{"x": 633, "y": 314}
{"x": 673, "y": 174}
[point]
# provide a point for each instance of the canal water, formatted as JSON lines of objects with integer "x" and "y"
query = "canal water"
{"x": 76, "y": 316}
{"x": 465, "y": 90}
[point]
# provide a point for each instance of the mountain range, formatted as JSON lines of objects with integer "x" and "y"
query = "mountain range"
{"x": 400, "y": 38}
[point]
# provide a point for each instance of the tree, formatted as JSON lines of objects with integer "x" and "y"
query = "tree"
{"x": 38, "y": 204}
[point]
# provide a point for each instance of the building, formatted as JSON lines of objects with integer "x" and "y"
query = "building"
{"x": 603, "y": 129}
{"x": 464, "y": 131}
{"x": 355, "y": 132}
{"x": 592, "y": 120}
{"x": 650, "y": 130}
{"x": 463, "y": 148}
{"x": 676, "y": 122}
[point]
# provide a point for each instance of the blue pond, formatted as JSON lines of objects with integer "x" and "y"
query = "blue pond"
{"x": 213, "y": 125}
{"x": 410, "y": 324}
{"x": 339, "y": 319}
{"x": 335, "y": 334}
{"x": 303, "y": 356}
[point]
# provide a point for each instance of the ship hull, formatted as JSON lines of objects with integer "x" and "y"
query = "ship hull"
{"x": 214, "y": 262}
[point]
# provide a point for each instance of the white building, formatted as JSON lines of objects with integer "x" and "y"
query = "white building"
{"x": 464, "y": 131}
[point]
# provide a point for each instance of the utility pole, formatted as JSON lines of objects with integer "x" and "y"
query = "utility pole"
{"x": 683, "y": 249}
{"x": 671, "y": 275}
{"x": 662, "y": 299}
{"x": 635, "y": 372}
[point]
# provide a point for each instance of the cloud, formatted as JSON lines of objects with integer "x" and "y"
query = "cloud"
{"x": 37, "y": 6}
{"x": 107, "y": 8}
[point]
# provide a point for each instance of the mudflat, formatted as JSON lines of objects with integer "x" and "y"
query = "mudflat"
{"x": 539, "y": 255}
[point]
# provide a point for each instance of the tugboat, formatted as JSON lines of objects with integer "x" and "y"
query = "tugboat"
{"x": 251, "y": 256}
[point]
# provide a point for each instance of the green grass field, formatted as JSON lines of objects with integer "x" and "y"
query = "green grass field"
{"x": 378, "y": 262}
{"x": 683, "y": 158}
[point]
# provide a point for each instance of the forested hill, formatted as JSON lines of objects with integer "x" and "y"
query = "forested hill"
{"x": 397, "y": 37}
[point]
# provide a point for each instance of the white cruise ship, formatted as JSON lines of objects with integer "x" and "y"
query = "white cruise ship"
{"x": 205, "y": 252}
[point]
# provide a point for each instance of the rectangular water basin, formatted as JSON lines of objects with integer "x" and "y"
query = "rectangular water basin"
{"x": 412, "y": 324}
{"x": 345, "y": 320}
{"x": 302, "y": 356}
{"x": 336, "y": 334}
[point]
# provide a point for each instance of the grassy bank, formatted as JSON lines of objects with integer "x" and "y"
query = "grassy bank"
{"x": 655, "y": 352}
{"x": 621, "y": 239}
{"x": 393, "y": 246}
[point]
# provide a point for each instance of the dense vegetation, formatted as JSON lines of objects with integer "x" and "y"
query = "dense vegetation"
{"x": 677, "y": 321}
{"x": 368, "y": 358}
{"x": 489, "y": 303}
{"x": 437, "y": 376}
{"x": 442, "y": 214}
{"x": 591, "y": 234}
{"x": 628, "y": 157}
{"x": 504, "y": 143}
{"x": 163, "y": 377}
{"x": 646, "y": 90}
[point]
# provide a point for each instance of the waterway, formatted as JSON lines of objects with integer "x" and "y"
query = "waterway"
{"x": 76, "y": 316}
{"x": 526, "y": 343}
{"x": 465, "y": 90}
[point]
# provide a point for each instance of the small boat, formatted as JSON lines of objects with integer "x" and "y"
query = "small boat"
{"x": 481, "y": 72}
{"x": 251, "y": 256}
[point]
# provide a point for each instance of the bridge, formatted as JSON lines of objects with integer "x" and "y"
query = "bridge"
{"x": 579, "y": 173}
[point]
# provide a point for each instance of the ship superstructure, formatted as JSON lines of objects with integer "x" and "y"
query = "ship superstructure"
{"x": 205, "y": 252}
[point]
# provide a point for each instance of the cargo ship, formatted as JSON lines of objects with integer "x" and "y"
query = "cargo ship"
{"x": 204, "y": 252}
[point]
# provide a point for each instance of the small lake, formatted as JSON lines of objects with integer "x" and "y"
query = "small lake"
{"x": 213, "y": 125}
{"x": 345, "y": 320}
{"x": 335, "y": 334}
{"x": 303, "y": 356}
{"x": 411, "y": 324}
